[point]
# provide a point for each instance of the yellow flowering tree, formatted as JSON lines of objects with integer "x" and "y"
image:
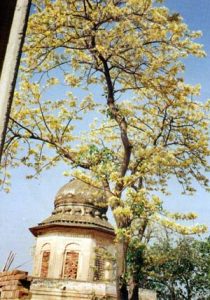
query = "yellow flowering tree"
{"x": 126, "y": 56}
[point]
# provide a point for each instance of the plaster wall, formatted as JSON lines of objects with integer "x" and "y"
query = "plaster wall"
{"x": 58, "y": 242}
{"x": 109, "y": 265}
{"x": 145, "y": 294}
{"x": 52, "y": 289}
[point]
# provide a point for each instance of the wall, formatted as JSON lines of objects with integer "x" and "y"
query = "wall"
{"x": 14, "y": 285}
{"x": 83, "y": 241}
{"x": 145, "y": 294}
{"x": 57, "y": 289}
{"x": 58, "y": 242}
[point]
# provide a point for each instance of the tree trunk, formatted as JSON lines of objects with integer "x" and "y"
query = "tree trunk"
{"x": 133, "y": 290}
{"x": 121, "y": 285}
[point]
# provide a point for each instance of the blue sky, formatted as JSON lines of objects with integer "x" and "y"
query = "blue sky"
{"x": 30, "y": 201}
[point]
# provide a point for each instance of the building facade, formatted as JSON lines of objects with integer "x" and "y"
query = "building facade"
{"x": 75, "y": 254}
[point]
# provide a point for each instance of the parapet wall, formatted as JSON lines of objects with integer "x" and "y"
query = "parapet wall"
{"x": 145, "y": 294}
{"x": 14, "y": 285}
{"x": 57, "y": 289}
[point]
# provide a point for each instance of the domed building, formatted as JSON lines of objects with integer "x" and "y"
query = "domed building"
{"x": 74, "y": 252}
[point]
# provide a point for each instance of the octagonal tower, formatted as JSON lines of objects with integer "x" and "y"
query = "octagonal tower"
{"x": 74, "y": 253}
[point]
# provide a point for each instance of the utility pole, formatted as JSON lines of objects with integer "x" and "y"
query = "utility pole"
{"x": 14, "y": 16}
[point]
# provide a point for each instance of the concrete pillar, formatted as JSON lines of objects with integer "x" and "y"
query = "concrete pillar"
{"x": 11, "y": 64}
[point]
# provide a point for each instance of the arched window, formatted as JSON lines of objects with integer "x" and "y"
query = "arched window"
{"x": 99, "y": 264}
{"x": 71, "y": 261}
{"x": 45, "y": 253}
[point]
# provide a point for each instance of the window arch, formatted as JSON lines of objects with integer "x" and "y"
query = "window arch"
{"x": 71, "y": 261}
{"x": 45, "y": 254}
{"x": 99, "y": 264}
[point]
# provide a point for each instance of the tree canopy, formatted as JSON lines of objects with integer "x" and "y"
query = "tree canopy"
{"x": 177, "y": 269}
{"x": 127, "y": 58}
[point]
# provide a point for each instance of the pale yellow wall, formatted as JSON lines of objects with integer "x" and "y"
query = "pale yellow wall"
{"x": 84, "y": 244}
{"x": 71, "y": 290}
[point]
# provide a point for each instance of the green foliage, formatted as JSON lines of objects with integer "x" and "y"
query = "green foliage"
{"x": 135, "y": 260}
{"x": 178, "y": 269}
